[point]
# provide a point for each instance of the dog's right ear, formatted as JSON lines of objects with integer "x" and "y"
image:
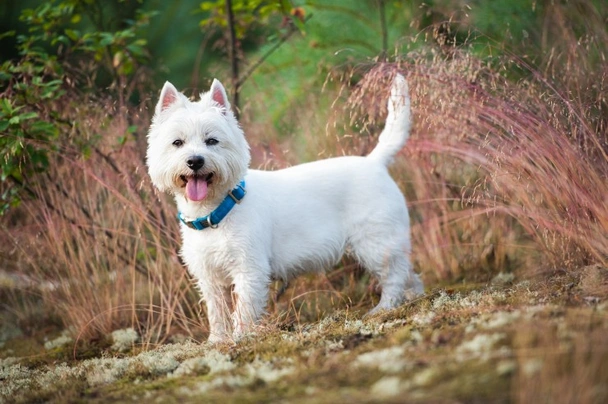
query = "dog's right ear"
{"x": 169, "y": 96}
{"x": 218, "y": 94}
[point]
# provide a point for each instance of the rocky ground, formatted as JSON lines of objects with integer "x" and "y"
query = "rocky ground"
{"x": 537, "y": 340}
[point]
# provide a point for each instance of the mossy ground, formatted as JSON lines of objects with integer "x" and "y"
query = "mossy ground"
{"x": 518, "y": 341}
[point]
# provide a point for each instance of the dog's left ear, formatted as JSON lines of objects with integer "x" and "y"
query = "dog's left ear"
{"x": 218, "y": 94}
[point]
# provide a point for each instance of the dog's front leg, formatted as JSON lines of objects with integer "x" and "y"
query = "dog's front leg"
{"x": 218, "y": 301}
{"x": 250, "y": 298}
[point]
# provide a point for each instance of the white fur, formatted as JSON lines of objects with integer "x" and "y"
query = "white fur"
{"x": 295, "y": 220}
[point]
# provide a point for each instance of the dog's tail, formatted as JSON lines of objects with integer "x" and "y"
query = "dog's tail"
{"x": 397, "y": 128}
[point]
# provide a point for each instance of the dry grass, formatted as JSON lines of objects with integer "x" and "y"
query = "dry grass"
{"x": 98, "y": 245}
{"x": 500, "y": 172}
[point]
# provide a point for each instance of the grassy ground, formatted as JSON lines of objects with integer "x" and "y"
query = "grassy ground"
{"x": 510, "y": 340}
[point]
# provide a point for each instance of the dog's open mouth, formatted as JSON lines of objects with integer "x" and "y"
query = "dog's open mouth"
{"x": 197, "y": 186}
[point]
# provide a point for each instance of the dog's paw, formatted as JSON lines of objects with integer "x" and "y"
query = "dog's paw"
{"x": 215, "y": 339}
{"x": 377, "y": 310}
{"x": 252, "y": 331}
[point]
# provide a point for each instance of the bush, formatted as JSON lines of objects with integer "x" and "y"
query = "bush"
{"x": 56, "y": 83}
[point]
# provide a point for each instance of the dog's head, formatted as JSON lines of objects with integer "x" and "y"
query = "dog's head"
{"x": 196, "y": 149}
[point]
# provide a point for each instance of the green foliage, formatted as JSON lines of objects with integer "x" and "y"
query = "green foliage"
{"x": 249, "y": 14}
{"x": 23, "y": 125}
{"x": 38, "y": 89}
{"x": 30, "y": 85}
{"x": 339, "y": 36}
{"x": 238, "y": 19}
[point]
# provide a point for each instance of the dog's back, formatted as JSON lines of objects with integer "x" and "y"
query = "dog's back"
{"x": 317, "y": 210}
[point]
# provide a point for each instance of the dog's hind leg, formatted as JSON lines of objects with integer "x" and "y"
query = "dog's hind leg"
{"x": 388, "y": 258}
{"x": 399, "y": 283}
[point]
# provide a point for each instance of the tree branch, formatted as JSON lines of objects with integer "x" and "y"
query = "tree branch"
{"x": 382, "y": 8}
{"x": 266, "y": 55}
{"x": 234, "y": 63}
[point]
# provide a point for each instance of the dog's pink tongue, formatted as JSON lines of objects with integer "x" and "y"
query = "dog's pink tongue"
{"x": 196, "y": 188}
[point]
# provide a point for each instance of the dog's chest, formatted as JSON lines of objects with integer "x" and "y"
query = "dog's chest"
{"x": 211, "y": 253}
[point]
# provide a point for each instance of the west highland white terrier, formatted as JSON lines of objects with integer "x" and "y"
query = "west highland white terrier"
{"x": 241, "y": 228}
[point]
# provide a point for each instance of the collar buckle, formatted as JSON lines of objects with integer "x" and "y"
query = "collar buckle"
{"x": 209, "y": 224}
{"x": 189, "y": 224}
{"x": 235, "y": 198}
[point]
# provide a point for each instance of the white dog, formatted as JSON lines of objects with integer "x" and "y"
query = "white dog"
{"x": 241, "y": 227}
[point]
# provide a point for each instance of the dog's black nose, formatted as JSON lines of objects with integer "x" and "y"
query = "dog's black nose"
{"x": 195, "y": 162}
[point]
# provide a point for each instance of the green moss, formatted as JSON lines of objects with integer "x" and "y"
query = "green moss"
{"x": 22, "y": 347}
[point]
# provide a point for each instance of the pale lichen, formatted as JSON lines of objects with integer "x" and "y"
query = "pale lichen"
{"x": 532, "y": 366}
{"x": 212, "y": 362}
{"x": 503, "y": 278}
{"x": 388, "y": 360}
{"x": 361, "y": 327}
{"x": 158, "y": 363}
{"x": 386, "y": 387}
{"x": 101, "y": 371}
{"x": 248, "y": 375}
{"x": 123, "y": 340}
{"x": 64, "y": 339}
{"x": 423, "y": 318}
{"x": 493, "y": 320}
{"x": 425, "y": 377}
{"x": 481, "y": 346}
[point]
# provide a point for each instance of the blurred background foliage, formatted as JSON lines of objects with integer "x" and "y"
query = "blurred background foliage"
{"x": 185, "y": 40}
{"x": 285, "y": 50}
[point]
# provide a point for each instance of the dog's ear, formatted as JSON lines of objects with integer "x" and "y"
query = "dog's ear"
{"x": 168, "y": 96}
{"x": 218, "y": 94}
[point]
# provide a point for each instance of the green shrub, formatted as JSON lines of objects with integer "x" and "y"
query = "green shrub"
{"x": 61, "y": 65}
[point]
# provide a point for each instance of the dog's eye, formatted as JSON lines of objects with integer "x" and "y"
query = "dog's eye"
{"x": 211, "y": 141}
{"x": 178, "y": 143}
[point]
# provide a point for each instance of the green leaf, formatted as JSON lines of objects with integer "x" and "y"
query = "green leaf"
{"x": 44, "y": 128}
{"x": 208, "y": 5}
{"x": 7, "y": 34}
{"x": 28, "y": 115}
{"x": 6, "y": 106}
{"x": 72, "y": 34}
{"x": 106, "y": 39}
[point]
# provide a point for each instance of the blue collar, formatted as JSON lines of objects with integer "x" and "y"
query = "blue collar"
{"x": 212, "y": 220}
